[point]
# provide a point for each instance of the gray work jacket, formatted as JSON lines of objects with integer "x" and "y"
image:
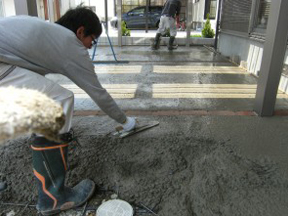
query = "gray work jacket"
{"x": 44, "y": 48}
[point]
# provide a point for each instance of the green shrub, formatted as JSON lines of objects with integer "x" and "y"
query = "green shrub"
{"x": 125, "y": 31}
{"x": 207, "y": 31}
{"x": 198, "y": 35}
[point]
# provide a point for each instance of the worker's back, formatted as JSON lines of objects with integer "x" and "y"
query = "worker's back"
{"x": 171, "y": 8}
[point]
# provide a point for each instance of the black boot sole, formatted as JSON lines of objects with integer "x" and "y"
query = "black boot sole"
{"x": 57, "y": 211}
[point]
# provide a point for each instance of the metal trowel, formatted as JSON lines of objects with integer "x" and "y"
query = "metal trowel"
{"x": 120, "y": 133}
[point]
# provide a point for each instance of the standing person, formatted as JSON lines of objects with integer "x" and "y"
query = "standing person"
{"x": 30, "y": 48}
{"x": 170, "y": 11}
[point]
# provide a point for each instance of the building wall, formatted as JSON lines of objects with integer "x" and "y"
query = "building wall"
{"x": 40, "y": 9}
{"x": 248, "y": 54}
{"x": 21, "y": 7}
{"x": 32, "y": 8}
{"x": 198, "y": 20}
{"x": 198, "y": 11}
{"x": 9, "y": 8}
{"x": 100, "y": 7}
{"x": 66, "y": 5}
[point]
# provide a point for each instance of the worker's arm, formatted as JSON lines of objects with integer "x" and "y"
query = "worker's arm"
{"x": 79, "y": 68}
{"x": 83, "y": 75}
{"x": 90, "y": 84}
{"x": 88, "y": 81}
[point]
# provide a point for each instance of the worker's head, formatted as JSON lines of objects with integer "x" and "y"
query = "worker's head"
{"x": 84, "y": 23}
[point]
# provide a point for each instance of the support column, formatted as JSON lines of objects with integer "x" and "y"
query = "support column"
{"x": 188, "y": 22}
{"x": 119, "y": 18}
{"x": 146, "y": 16}
{"x": 219, "y": 11}
{"x": 106, "y": 16}
{"x": 273, "y": 57}
{"x": 51, "y": 10}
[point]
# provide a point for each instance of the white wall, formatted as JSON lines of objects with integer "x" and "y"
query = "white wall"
{"x": 40, "y": 9}
{"x": 198, "y": 10}
{"x": 248, "y": 54}
{"x": 66, "y": 5}
{"x": 100, "y": 7}
{"x": 9, "y": 8}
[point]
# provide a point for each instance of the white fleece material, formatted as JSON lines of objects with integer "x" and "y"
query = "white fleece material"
{"x": 24, "y": 111}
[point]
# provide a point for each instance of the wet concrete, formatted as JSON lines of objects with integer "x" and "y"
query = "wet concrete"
{"x": 191, "y": 164}
{"x": 188, "y": 165}
{"x": 145, "y": 54}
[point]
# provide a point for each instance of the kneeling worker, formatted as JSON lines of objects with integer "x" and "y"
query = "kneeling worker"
{"x": 30, "y": 48}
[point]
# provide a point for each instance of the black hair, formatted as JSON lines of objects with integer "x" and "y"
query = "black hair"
{"x": 81, "y": 16}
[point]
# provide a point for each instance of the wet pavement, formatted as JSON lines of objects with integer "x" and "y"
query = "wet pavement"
{"x": 189, "y": 78}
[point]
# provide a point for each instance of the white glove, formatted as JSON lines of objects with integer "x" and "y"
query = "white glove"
{"x": 129, "y": 124}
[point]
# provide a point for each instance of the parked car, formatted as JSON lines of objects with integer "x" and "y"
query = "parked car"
{"x": 136, "y": 18}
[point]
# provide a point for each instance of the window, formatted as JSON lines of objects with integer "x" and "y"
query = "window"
{"x": 210, "y": 8}
{"x": 1, "y": 8}
{"x": 236, "y": 15}
{"x": 138, "y": 11}
{"x": 262, "y": 12}
{"x": 128, "y": 5}
{"x": 156, "y": 9}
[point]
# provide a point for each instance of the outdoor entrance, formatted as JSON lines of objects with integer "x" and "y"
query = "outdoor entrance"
{"x": 143, "y": 16}
{"x": 135, "y": 22}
